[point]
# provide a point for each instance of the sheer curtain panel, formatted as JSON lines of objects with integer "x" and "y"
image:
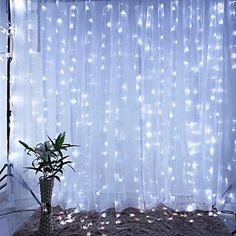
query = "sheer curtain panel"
{"x": 145, "y": 87}
{"x": 3, "y": 84}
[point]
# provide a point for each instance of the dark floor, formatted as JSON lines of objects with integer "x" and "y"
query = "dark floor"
{"x": 159, "y": 221}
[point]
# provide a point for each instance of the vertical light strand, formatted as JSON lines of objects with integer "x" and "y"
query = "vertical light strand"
{"x": 103, "y": 109}
{"x": 73, "y": 83}
{"x": 100, "y": 91}
{"x": 172, "y": 143}
{"x": 219, "y": 93}
{"x": 62, "y": 69}
{"x": 49, "y": 40}
{"x": 131, "y": 111}
{"x": 188, "y": 103}
{"x": 80, "y": 56}
{"x": 116, "y": 103}
{"x": 148, "y": 103}
{"x": 212, "y": 107}
{"x": 122, "y": 118}
{"x": 193, "y": 122}
{"x": 160, "y": 150}
{"x": 138, "y": 176}
{"x": 87, "y": 97}
{"x": 73, "y": 91}
{"x": 51, "y": 24}
{"x": 105, "y": 184}
{"x": 63, "y": 84}
{"x": 35, "y": 72}
{"x": 165, "y": 99}
{"x": 232, "y": 36}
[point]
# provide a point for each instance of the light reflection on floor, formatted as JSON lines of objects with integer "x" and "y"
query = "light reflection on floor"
{"x": 9, "y": 223}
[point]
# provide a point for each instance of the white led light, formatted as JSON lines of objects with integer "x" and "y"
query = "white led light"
{"x": 123, "y": 13}
{"x": 59, "y": 21}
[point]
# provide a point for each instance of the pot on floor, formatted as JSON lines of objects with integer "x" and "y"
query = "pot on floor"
{"x": 46, "y": 188}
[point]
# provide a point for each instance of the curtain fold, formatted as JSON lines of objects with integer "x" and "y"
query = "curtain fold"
{"x": 145, "y": 87}
{"x": 3, "y": 84}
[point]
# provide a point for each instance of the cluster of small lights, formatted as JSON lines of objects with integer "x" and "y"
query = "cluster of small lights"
{"x": 143, "y": 98}
{"x": 105, "y": 219}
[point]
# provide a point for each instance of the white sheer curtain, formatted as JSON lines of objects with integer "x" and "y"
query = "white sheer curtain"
{"x": 145, "y": 87}
{"x": 3, "y": 84}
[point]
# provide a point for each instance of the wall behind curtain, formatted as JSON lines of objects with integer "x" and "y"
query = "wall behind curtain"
{"x": 145, "y": 87}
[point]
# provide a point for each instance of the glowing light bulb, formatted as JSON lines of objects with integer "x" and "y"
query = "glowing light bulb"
{"x": 59, "y": 21}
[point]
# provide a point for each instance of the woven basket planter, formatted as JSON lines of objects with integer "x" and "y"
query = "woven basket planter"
{"x": 46, "y": 188}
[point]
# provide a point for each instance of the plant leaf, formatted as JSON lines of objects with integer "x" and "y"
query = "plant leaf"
{"x": 56, "y": 177}
{"x": 26, "y": 146}
{"x": 53, "y": 144}
{"x": 71, "y": 167}
{"x": 59, "y": 140}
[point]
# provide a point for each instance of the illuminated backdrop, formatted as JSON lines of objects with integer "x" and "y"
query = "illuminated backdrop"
{"x": 145, "y": 87}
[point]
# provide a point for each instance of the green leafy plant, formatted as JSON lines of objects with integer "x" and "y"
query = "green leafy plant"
{"x": 50, "y": 160}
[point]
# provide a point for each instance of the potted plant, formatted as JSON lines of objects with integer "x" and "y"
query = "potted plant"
{"x": 50, "y": 162}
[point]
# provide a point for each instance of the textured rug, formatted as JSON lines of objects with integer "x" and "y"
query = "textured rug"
{"x": 160, "y": 221}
